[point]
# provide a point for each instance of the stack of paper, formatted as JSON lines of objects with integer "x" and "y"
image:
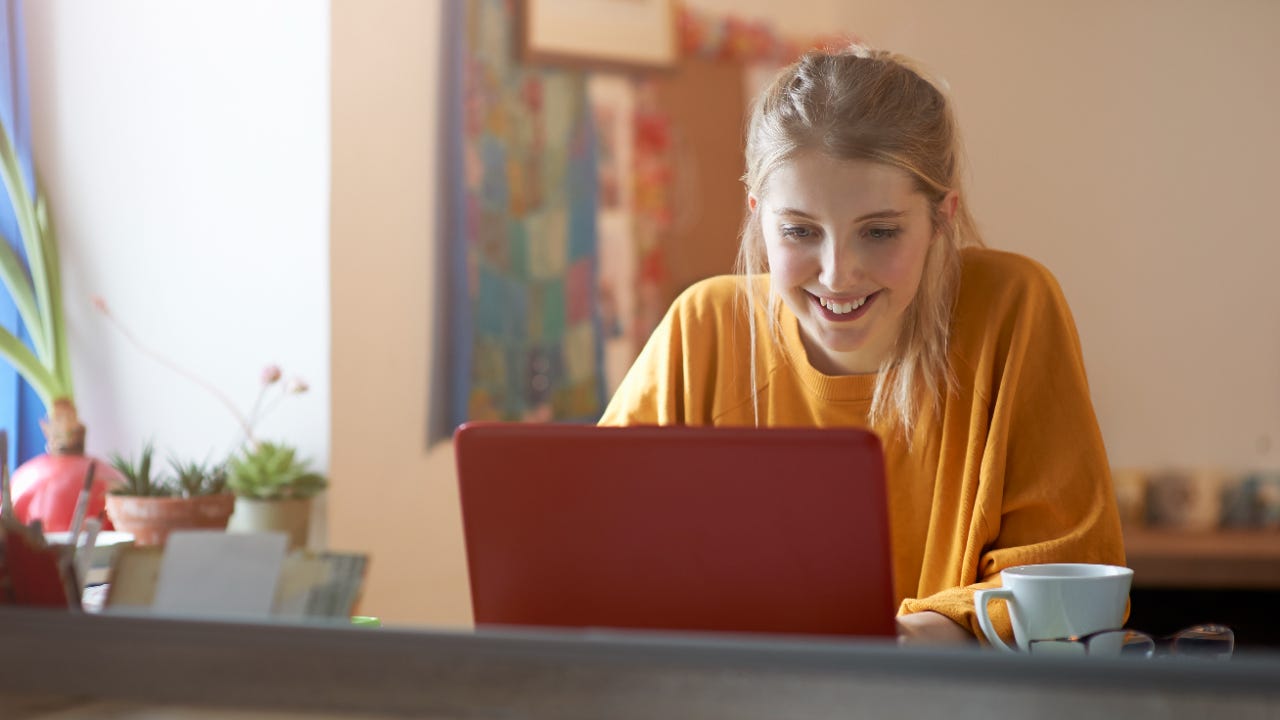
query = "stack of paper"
{"x": 212, "y": 574}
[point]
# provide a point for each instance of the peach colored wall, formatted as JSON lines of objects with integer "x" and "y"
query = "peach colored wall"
{"x": 1126, "y": 145}
{"x": 1131, "y": 147}
{"x": 391, "y": 497}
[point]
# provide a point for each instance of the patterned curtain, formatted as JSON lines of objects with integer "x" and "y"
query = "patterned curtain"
{"x": 524, "y": 309}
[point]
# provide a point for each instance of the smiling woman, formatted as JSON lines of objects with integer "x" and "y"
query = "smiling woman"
{"x": 866, "y": 300}
{"x": 846, "y": 264}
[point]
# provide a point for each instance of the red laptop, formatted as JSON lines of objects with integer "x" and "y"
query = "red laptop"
{"x": 676, "y": 528}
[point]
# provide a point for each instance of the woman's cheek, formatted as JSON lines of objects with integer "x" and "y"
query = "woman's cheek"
{"x": 787, "y": 264}
{"x": 901, "y": 266}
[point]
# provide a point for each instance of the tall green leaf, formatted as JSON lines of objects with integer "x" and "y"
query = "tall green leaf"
{"x": 24, "y": 209}
{"x": 61, "y": 354}
{"x": 14, "y": 274}
{"x": 25, "y": 362}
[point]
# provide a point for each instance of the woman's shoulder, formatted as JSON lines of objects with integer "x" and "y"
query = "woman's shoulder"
{"x": 714, "y": 290}
{"x": 718, "y": 298}
{"x": 1001, "y": 267}
{"x": 1004, "y": 299}
{"x": 992, "y": 278}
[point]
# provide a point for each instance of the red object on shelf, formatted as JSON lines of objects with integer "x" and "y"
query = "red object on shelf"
{"x": 46, "y": 488}
{"x": 34, "y": 574}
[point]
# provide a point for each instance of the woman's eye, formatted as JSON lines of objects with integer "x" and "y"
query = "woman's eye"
{"x": 882, "y": 233}
{"x": 796, "y": 231}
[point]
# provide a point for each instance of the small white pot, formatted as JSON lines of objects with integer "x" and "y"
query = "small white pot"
{"x": 291, "y": 516}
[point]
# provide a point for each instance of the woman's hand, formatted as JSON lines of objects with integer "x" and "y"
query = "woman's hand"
{"x": 931, "y": 628}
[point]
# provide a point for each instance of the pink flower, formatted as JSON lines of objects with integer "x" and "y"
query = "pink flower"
{"x": 270, "y": 374}
{"x": 270, "y": 377}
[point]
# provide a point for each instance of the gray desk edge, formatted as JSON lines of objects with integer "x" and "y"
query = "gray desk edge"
{"x": 535, "y": 673}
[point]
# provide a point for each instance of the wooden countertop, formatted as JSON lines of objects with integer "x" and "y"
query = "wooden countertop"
{"x": 1227, "y": 559}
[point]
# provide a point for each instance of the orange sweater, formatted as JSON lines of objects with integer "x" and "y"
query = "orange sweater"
{"x": 1012, "y": 471}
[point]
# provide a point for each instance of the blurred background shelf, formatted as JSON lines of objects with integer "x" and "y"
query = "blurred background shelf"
{"x": 1183, "y": 578}
{"x": 1241, "y": 559}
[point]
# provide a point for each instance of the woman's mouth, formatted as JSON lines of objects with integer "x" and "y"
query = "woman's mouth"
{"x": 844, "y": 311}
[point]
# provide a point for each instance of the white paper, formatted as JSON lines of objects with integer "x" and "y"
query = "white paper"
{"x": 212, "y": 573}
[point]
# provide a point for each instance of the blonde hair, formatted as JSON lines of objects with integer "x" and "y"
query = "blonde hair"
{"x": 860, "y": 104}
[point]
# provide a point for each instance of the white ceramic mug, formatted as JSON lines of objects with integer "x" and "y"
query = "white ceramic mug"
{"x": 1056, "y": 600}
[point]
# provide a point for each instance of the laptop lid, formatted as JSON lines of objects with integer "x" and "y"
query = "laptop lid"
{"x": 676, "y": 528}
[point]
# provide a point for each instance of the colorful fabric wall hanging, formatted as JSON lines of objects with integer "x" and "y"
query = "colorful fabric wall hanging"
{"x": 525, "y": 319}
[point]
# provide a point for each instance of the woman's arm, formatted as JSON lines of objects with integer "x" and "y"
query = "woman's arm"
{"x": 931, "y": 628}
{"x": 1042, "y": 491}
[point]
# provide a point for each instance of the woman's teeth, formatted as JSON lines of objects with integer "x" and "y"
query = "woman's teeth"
{"x": 842, "y": 308}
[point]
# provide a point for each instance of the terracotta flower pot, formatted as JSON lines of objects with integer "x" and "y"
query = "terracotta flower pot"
{"x": 151, "y": 519}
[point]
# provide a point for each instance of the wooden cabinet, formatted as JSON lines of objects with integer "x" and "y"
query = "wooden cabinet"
{"x": 1229, "y": 577}
{"x": 1246, "y": 560}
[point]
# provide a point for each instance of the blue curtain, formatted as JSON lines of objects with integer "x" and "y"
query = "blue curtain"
{"x": 20, "y": 407}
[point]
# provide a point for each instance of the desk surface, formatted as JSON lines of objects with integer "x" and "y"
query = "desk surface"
{"x": 1224, "y": 559}
{"x": 53, "y": 666}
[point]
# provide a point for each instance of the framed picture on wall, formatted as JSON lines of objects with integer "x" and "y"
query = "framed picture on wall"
{"x": 600, "y": 33}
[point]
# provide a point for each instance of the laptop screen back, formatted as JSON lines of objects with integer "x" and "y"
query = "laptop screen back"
{"x": 676, "y": 528}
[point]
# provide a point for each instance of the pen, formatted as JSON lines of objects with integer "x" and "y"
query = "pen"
{"x": 6, "y": 499}
{"x": 82, "y": 504}
{"x": 84, "y": 555}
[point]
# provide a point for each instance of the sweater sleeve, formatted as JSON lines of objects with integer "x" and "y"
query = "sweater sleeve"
{"x": 651, "y": 390}
{"x": 694, "y": 367}
{"x": 1044, "y": 492}
{"x": 678, "y": 379}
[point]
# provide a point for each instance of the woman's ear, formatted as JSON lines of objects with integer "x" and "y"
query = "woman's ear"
{"x": 945, "y": 212}
{"x": 950, "y": 204}
{"x": 752, "y": 202}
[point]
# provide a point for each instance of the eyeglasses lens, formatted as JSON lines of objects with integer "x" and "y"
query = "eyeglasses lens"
{"x": 1120, "y": 643}
{"x": 1137, "y": 645}
{"x": 1212, "y": 642}
{"x": 1057, "y": 647}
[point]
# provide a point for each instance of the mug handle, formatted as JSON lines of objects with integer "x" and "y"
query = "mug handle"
{"x": 980, "y": 600}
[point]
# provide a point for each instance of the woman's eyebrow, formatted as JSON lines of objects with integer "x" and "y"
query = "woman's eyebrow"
{"x": 877, "y": 215}
{"x": 886, "y": 214}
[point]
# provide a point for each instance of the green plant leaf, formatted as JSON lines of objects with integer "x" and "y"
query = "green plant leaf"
{"x": 125, "y": 467}
{"x": 61, "y": 352}
{"x": 23, "y": 208}
{"x": 138, "y": 477}
{"x": 197, "y": 478}
{"x": 25, "y": 362}
{"x": 144, "y": 467}
{"x": 14, "y": 274}
{"x": 271, "y": 471}
{"x": 308, "y": 485}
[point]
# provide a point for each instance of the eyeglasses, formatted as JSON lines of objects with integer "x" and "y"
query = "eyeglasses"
{"x": 1209, "y": 642}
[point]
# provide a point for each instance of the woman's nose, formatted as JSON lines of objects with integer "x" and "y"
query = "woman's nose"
{"x": 840, "y": 267}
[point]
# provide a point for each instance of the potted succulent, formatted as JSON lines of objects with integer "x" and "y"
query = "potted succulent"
{"x": 274, "y": 488}
{"x": 151, "y": 506}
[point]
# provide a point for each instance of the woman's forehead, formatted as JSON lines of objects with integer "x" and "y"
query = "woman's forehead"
{"x": 818, "y": 180}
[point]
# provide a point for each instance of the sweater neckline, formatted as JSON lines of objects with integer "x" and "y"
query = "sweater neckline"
{"x": 835, "y": 388}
